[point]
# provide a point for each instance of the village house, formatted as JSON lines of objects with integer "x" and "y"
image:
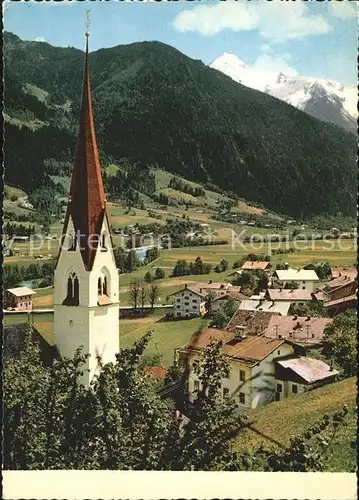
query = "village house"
{"x": 218, "y": 302}
{"x": 342, "y": 298}
{"x": 254, "y": 265}
{"x": 297, "y": 375}
{"x": 218, "y": 289}
{"x": 295, "y": 296}
{"x": 338, "y": 282}
{"x": 251, "y": 380}
{"x": 251, "y": 322}
{"x": 19, "y": 299}
{"x": 261, "y": 304}
{"x": 302, "y": 330}
{"x": 261, "y": 369}
{"x": 306, "y": 279}
{"x": 188, "y": 302}
{"x": 338, "y": 272}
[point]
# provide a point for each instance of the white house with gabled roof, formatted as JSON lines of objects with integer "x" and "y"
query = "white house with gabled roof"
{"x": 306, "y": 279}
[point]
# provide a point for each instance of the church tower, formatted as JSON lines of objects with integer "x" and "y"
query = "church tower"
{"x": 86, "y": 277}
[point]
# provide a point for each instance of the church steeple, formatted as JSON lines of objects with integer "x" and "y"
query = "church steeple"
{"x": 87, "y": 203}
{"x": 86, "y": 284}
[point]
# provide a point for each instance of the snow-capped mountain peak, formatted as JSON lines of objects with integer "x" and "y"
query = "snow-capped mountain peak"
{"x": 325, "y": 99}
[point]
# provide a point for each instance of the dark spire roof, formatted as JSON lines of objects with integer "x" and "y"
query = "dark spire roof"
{"x": 87, "y": 203}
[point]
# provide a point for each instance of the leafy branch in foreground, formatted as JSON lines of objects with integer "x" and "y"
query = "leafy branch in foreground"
{"x": 52, "y": 421}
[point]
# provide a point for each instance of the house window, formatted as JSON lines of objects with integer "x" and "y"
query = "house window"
{"x": 278, "y": 352}
{"x": 178, "y": 300}
{"x": 279, "y": 387}
{"x": 225, "y": 391}
{"x": 196, "y": 385}
{"x": 294, "y": 389}
{"x": 242, "y": 398}
{"x": 242, "y": 375}
{"x": 303, "y": 287}
{"x": 194, "y": 307}
{"x": 186, "y": 303}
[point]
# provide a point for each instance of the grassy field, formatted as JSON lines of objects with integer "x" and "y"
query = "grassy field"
{"x": 167, "y": 335}
{"x": 289, "y": 418}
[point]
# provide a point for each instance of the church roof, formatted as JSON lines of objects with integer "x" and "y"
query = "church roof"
{"x": 87, "y": 203}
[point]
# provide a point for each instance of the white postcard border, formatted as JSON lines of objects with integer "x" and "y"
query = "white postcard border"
{"x": 151, "y": 485}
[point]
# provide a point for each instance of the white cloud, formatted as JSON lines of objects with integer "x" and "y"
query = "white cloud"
{"x": 275, "y": 21}
{"x": 266, "y": 48}
{"x": 342, "y": 10}
{"x": 211, "y": 19}
{"x": 40, "y": 39}
{"x": 275, "y": 63}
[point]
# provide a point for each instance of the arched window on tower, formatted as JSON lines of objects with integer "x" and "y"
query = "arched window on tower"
{"x": 76, "y": 292}
{"x": 73, "y": 291}
{"x": 70, "y": 288}
{"x": 103, "y": 286}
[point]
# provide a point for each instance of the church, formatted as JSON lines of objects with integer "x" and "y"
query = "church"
{"x": 86, "y": 295}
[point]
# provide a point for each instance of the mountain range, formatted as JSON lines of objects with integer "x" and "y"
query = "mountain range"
{"x": 154, "y": 106}
{"x": 326, "y": 100}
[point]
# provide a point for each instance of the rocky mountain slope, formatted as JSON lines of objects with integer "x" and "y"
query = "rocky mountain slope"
{"x": 156, "y": 107}
{"x": 326, "y": 100}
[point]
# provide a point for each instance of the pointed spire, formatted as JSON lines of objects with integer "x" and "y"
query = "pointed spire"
{"x": 87, "y": 204}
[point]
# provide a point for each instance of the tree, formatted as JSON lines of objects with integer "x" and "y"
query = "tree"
{"x": 310, "y": 308}
{"x": 205, "y": 444}
{"x": 134, "y": 295}
{"x": 148, "y": 277}
{"x": 132, "y": 261}
{"x": 224, "y": 264}
{"x": 339, "y": 342}
{"x": 159, "y": 273}
{"x": 121, "y": 422}
{"x": 143, "y": 296}
{"x": 291, "y": 285}
{"x": 153, "y": 294}
{"x": 222, "y": 317}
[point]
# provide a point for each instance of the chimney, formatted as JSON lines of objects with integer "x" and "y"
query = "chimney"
{"x": 186, "y": 285}
{"x": 295, "y": 317}
{"x": 210, "y": 282}
{"x": 308, "y": 318}
{"x": 276, "y": 331}
{"x": 281, "y": 289}
{"x": 240, "y": 332}
{"x": 308, "y": 328}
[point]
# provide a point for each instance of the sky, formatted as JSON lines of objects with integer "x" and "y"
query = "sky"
{"x": 317, "y": 39}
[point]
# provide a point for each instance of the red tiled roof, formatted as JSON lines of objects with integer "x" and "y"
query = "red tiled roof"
{"x": 192, "y": 289}
{"x": 345, "y": 300}
{"x": 250, "y": 349}
{"x": 288, "y": 294}
{"x": 231, "y": 295}
{"x": 297, "y": 328}
{"x": 343, "y": 291}
{"x": 344, "y": 271}
{"x": 255, "y": 321}
{"x": 249, "y": 265}
{"x": 156, "y": 371}
{"x": 337, "y": 282}
{"x": 87, "y": 204}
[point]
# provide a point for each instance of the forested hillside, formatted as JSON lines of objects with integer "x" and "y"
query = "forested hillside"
{"x": 156, "y": 107}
